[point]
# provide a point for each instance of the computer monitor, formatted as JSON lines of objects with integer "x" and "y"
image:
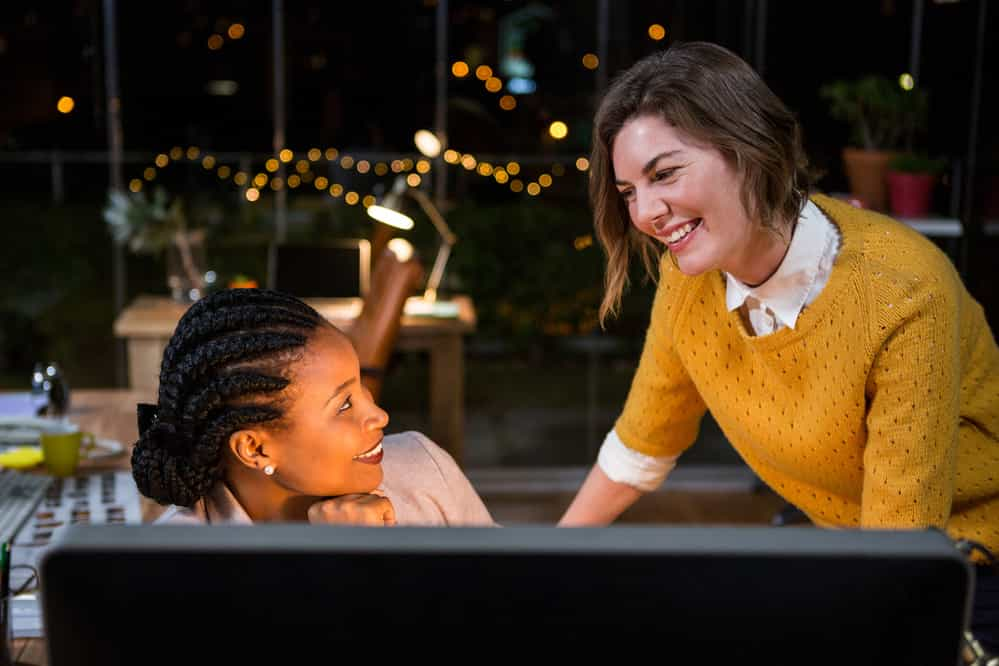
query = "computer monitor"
{"x": 127, "y": 594}
{"x": 331, "y": 269}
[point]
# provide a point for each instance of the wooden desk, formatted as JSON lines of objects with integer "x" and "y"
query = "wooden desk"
{"x": 148, "y": 322}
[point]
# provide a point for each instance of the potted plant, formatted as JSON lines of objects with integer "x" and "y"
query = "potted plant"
{"x": 884, "y": 117}
{"x": 157, "y": 224}
{"x": 911, "y": 178}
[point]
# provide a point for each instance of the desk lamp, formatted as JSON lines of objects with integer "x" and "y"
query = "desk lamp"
{"x": 390, "y": 212}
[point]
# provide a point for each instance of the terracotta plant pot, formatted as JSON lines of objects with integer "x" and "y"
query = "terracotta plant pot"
{"x": 867, "y": 171}
{"x": 911, "y": 193}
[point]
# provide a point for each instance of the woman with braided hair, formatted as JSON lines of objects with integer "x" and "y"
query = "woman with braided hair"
{"x": 262, "y": 417}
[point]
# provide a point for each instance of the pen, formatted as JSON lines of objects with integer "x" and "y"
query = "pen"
{"x": 4, "y": 600}
{"x": 4, "y": 569}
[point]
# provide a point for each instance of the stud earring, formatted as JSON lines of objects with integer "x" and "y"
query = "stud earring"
{"x": 269, "y": 470}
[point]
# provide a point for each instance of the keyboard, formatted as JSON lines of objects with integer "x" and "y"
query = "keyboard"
{"x": 20, "y": 493}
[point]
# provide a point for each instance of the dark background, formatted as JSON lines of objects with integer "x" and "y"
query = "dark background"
{"x": 360, "y": 78}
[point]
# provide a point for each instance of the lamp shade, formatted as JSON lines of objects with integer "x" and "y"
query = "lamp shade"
{"x": 390, "y": 216}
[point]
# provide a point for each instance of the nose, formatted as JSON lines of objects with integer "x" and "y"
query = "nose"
{"x": 376, "y": 419}
{"x": 650, "y": 210}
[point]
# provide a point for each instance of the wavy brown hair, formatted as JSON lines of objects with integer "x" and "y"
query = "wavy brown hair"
{"x": 715, "y": 98}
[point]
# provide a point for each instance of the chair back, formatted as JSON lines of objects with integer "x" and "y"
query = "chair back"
{"x": 376, "y": 329}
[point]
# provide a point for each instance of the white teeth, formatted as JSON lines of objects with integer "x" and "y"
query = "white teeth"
{"x": 370, "y": 454}
{"x": 681, "y": 233}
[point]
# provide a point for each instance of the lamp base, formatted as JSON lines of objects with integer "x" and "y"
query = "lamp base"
{"x": 417, "y": 306}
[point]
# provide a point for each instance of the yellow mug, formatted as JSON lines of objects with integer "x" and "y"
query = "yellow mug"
{"x": 61, "y": 446}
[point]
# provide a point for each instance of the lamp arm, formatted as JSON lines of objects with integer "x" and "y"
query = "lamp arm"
{"x": 437, "y": 272}
{"x": 435, "y": 217}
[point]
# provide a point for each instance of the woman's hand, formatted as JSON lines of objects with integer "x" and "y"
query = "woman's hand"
{"x": 356, "y": 509}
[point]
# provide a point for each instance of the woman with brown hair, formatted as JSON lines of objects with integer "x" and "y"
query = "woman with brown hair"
{"x": 837, "y": 349}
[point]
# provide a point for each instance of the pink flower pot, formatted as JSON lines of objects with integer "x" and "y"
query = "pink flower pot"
{"x": 910, "y": 193}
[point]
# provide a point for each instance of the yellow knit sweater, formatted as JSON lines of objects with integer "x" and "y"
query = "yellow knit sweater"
{"x": 880, "y": 409}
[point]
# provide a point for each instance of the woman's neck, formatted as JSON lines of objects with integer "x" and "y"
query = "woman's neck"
{"x": 764, "y": 255}
{"x": 263, "y": 499}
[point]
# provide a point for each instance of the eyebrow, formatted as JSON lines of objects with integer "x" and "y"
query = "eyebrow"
{"x": 339, "y": 389}
{"x": 651, "y": 164}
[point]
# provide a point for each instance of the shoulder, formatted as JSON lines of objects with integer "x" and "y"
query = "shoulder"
{"x": 901, "y": 275}
{"x": 412, "y": 460}
{"x": 426, "y": 485}
{"x": 885, "y": 245}
{"x": 413, "y": 448}
{"x": 181, "y": 515}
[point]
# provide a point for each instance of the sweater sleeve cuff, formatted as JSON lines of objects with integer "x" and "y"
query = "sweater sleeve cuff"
{"x": 624, "y": 465}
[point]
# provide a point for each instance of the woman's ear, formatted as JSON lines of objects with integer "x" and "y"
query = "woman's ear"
{"x": 248, "y": 448}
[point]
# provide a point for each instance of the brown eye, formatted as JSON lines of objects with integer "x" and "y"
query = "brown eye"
{"x": 347, "y": 404}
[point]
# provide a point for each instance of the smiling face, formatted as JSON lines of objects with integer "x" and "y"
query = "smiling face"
{"x": 687, "y": 197}
{"x": 331, "y": 443}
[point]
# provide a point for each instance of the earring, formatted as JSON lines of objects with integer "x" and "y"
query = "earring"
{"x": 269, "y": 470}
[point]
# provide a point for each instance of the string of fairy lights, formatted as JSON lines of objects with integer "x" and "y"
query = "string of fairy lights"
{"x": 255, "y": 184}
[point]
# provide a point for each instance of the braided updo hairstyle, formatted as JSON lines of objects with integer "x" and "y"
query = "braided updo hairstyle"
{"x": 221, "y": 371}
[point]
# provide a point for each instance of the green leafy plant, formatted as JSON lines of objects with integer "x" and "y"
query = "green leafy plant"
{"x": 881, "y": 113}
{"x": 155, "y": 224}
{"x": 917, "y": 163}
{"x": 146, "y": 225}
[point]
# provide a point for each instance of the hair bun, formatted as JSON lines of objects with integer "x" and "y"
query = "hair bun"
{"x": 164, "y": 473}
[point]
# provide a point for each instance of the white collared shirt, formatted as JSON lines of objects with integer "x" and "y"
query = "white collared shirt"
{"x": 771, "y": 306}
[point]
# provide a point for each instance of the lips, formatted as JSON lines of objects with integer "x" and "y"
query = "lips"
{"x": 372, "y": 456}
{"x": 675, "y": 234}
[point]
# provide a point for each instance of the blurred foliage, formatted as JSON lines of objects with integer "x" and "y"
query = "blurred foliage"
{"x": 145, "y": 224}
{"x": 55, "y": 300}
{"x": 917, "y": 163}
{"x": 882, "y": 115}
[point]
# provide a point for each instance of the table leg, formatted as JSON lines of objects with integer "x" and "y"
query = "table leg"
{"x": 447, "y": 394}
{"x": 144, "y": 358}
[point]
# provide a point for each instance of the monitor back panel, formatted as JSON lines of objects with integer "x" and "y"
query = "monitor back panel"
{"x": 725, "y": 594}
